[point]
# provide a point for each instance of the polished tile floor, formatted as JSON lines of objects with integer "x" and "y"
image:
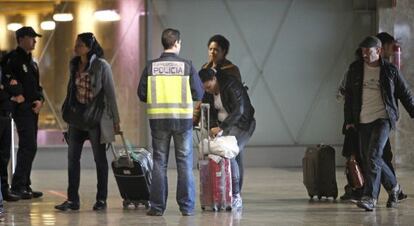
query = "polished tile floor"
{"x": 271, "y": 197}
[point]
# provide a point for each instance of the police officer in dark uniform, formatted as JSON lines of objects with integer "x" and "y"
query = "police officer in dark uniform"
{"x": 5, "y": 137}
{"x": 24, "y": 71}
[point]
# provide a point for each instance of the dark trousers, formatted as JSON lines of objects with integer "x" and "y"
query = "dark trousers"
{"x": 77, "y": 137}
{"x": 5, "y": 143}
{"x": 373, "y": 137}
{"x": 1, "y": 200}
{"x": 353, "y": 146}
{"x": 27, "y": 131}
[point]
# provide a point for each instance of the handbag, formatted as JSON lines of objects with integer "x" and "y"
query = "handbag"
{"x": 94, "y": 110}
{"x": 354, "y": 174}
{"x": 71, "y": 110}
{"x": 83, "y": 116}
{"x": 224, "y": 146}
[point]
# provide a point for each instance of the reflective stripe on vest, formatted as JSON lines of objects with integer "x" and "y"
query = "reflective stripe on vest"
{"x": 169, "y": 93}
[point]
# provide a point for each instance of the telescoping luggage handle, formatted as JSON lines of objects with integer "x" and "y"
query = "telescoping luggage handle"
{"x": 204, "y": 131}
{"x": 126, "y": 148}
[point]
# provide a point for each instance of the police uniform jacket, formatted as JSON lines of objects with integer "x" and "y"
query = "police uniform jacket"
{"x": 195, "y": 86}
{"x": 23, "y": 69}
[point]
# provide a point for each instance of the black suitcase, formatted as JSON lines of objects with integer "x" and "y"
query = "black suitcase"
{"x": 319, "y": 175}
{"x": 132, "y": 170}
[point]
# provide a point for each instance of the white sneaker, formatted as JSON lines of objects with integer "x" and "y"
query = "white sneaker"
{"x": 237, "y": 202}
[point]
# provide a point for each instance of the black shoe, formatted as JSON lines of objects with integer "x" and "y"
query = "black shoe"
{"x": 99, "y": 205}
{"x": 401, "y": 195}
{"x": 67, "y": 205}
{"x": 153, "y": 212}
{"x": 9, "y": 196}
{"x": 23, "y": 193}
{"x": 367, "y": 203}
{"x": 35, "y": 194}
{"x": 393, "y": 197}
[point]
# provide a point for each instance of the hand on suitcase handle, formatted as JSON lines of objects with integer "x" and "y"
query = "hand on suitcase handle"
{"x": 216, "y": 131}
{"x": 117, "y": 129}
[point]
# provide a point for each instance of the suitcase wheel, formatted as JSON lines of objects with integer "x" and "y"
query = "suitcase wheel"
{"x": 228, "y": 208}
{"x": 147, "y": 205}
{"x": 203, "y": 208}
{"x": 311, "y": 197}
{"x": 319, "y": 197}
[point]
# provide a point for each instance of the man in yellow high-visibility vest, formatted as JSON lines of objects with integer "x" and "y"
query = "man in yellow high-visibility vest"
{"x": 169, "y": 85}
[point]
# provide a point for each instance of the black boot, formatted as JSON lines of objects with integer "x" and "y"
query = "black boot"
{"x": 23, "y": 193}
{"x": 9, "y": 196}
{"x": 35, "y": 194}
{"x": 67, "y": 205}
{"x": 401, "y": 195}
{"x": 393, "y": 197}
{"x": 99, "y": 205}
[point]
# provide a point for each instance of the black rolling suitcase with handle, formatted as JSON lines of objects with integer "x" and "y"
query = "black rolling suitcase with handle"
{"x": 132, "y": 169}
{"x": 319, "y": 176}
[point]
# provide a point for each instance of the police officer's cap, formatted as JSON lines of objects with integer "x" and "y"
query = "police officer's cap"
{"x": 26, "y": 31}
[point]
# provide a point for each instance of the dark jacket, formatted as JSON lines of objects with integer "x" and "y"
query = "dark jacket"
{"x": 227, "y": 67}
{"x": 235, "y": 100}
{"x": 195, "y": 86}
{"x": 23, "y": 69}
{"x": 5, "y": 103}
{"x": 393, "y": 88}
{"x": 101, "y": 76}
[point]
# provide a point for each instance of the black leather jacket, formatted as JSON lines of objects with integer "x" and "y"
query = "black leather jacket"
{"x": 393, "y": 88}
{"x": 235, "y": 100}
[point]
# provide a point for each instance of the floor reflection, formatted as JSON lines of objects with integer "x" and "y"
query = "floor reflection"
{"x": 271, "y": 197}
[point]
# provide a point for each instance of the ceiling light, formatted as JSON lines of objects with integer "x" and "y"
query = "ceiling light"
{"x": 62, "y": 17}
{"x": 14, "y": 26}
{"x": 107, "y": 15}
{"x": 48, "y": 25}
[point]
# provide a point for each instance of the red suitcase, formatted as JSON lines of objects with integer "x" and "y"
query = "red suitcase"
{"x": 215, "y": 174}
{"x": 215, "y": 184}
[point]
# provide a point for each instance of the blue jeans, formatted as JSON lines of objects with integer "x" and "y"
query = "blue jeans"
{"x": 237, "y": 169}
{"x": 183, "y": 144}
{"x": 373, "y": 137}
